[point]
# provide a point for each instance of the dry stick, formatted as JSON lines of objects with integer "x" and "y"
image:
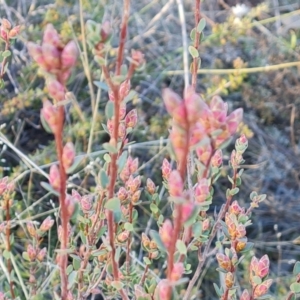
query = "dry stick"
{"x": 62, "y": 200}
{"x": 196, "y": 43}
{"x": 212, "y": 236}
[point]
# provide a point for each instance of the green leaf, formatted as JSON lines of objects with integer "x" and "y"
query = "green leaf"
{"x": 193, "y": 51}
{"x": 118, "y": 285}
{"x": 154, "y": 208}
{"x": 104, "y": 180}
{"x": 110, "y": 148}
{"x": 77, "y": 162}
{"x": 296, "y": 269}
{"x": 76, "y": 264}
{"x": 218, "y": 290}
{"x": 69, "y": 269}
{"x": 156, "y": 237}
{"x": 107, "y": 157}
{"x": 181, "y": 247}
{"x": 147, "y": 261}
{"x": 128, "y": 226}
{"x": 122, "y": 160}
{"x": 295, "y": 287}
{"x": 197, "y": 229}
{"x": 110, "y": 109}
{"x": 45, "y": 124}
{"x": 257, "y": 280}
{"x": 6, "y": 53}
{"x": 234, "y": 191}
{"x": 101, "y": 85}
{"x": 72, "y": 279}
{"x": 193, "y": 34}
{"x": 113, "y": 204}
{"x": 49, "y": 188}
{"x": 25, "y": 256}
{"x": 201, "y": 25}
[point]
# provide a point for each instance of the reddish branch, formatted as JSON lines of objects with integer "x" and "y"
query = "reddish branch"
{"x": 201, "y": 263}
{"x": 196, "y": 43}
{"x": 62, "y": 200}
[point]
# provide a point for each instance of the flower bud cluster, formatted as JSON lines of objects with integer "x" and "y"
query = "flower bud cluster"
{"x": 8, "y": 32}
{"x": 6, "y": 193}
{"x": 236, "y": 158}
{"x": 204, "y": 122}
{"x": 236, "y": 221}
{"x": 35, "y": 254}
{"x": 228, "y": 261}
{"x": 56, "y": 59}
{"x": 127, "y": 121}
{"x": 259, "y": 270}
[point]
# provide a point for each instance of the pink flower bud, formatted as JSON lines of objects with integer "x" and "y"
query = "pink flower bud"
{"x": 262, "y": 288}
{"x": 177, "y": 271}
{"x": 172, "y": 102}
{"x": 2, "y": 296}
{"x": 70, "y": 296}
{"x": 6, "y": 24}
{"x": 54, "y": 177}
{"x": 41, "y": 255}
{"x": 197, "y": 134}
{"x": 31, "y": 252}
{"x": 136, "y": 196}
{"x": 133, "y": 184}
{"x": 166, "y": 169}
{"x": 3, "y": 33}
{"x": 229, "y": 280}
{"x": 194, "y": 105}
{"x": 3, "y": 184}
{"x": 69, "y": 55}
{"x": 76, "y": 196}
{"x": 218, "y": 108}
{"x": 123, "y": 236}
{"x": 124, "y": 90}
{"x": 175, "y": 184}
{"x": 51, "y": 36}
{"x": 50, "y": 114}
{"x": 240, "y": 231}
{"x": 234, "y": 119}
{"x": 224, "y": 261}
{"x": 56, "y": 89}
{"x": 70, "y": 204}
{"x": 263, "y": 266}
{"x": 204, "y": 153}
{"x": 166, "y": 233}
{"x": 234, "y": 208}
{"x": 86, "y": 203}
{"x": 122, "y": 131}
{"x": 202, "y": 190}
{"x": 206, "y": 225}
{"x": 51, "y": 56}
{"x": 145, "y": 240}
{"x": 122, "y": 194}
{"x": 131, "y": 119}
{"x": 47, "y": 224}
{"x": 187, "y": 210}
{"x": 245, "y": 295}
{"x": 151, "y": 188}
{"x": 122, "y": 110}
{"x": 138, "y": 57}
{"x": 162, "y": 290}
{"x": 217, "y": 159}
{"x": 31, "y": 229}
{"x": 179, "y": 139}
{"x": 68, "y": 155}
{"x": 105, "y": 31}
{"x": 231, "y": 226}
{"x": 133, "y": 166}
{"x": 253, "y": 266}
{"x": 36, "y": 53}
{"x": 14, "y": 32}
{"x": 241, "y": 144}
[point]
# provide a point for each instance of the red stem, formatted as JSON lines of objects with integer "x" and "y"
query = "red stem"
{"x": 129, "y": 240}
{"x": 196, "y": 43}
{"x": 62, "y": 200}
{"x": 123, "y": 35}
